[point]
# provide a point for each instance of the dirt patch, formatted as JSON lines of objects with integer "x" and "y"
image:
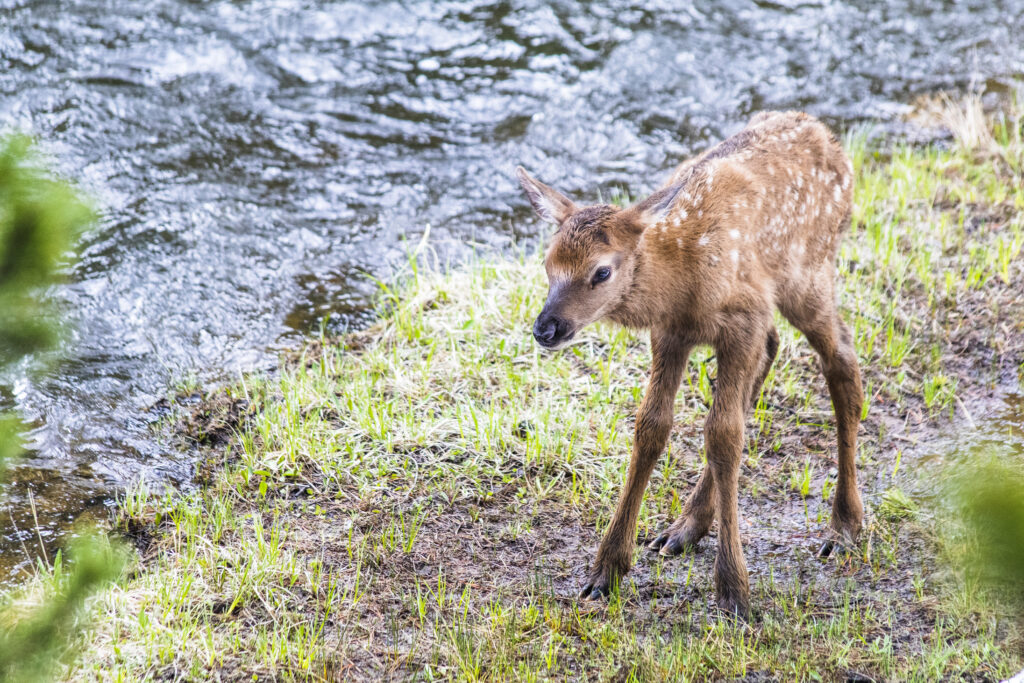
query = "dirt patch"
{"x": 212, "y": 419}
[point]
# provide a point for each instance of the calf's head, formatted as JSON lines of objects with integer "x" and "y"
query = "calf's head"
{"x": 591, "y": 257}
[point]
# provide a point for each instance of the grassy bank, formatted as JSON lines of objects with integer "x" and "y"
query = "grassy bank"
{"x": 422, "y": 499}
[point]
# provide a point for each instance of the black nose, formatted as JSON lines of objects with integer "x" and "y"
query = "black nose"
{"x": 544, "y": 330}
{"x": 549, "y": 330}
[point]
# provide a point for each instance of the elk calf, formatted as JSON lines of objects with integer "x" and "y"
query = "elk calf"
{"x": 751, "y": 225}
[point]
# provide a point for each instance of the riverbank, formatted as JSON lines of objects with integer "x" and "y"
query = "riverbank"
{"x": 422, "y": 499}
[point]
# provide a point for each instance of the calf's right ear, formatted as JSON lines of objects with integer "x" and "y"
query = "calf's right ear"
{"x": 550, "y": 204}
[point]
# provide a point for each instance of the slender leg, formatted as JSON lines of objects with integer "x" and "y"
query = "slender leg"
{"x": 698, "y": 513}
{"x": 738, "y": 365}
{"x": 832, "y": 339}
{"x": 771, "y": 349}
{"x": 653, "y": 424}
{"x": 693, "y": 522}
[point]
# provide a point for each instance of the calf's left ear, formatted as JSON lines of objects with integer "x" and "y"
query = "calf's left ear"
{"x": 654, "y": 209}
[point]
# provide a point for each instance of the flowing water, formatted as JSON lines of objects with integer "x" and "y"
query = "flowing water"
{"x": 256, "y": 159}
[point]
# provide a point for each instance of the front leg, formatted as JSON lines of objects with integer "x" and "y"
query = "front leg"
{"x": 738, "y": 361}
{"x": 653, "y": 424}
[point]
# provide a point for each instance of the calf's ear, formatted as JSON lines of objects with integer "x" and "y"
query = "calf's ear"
{"x": 654, "y": 209}
{"x": 550, "y": 204}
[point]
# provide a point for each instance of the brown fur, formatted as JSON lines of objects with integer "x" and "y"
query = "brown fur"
{"x": 750, "y": 226}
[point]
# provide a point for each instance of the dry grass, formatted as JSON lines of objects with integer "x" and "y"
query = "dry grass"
{"x": 964, "y": 118}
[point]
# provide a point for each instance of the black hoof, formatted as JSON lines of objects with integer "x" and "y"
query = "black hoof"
{"x": 595, "y": 591}
{"x": 837, "y": 543}
{"x": 599, "y": 586}
{"x": 656, "y": 545}
{"x": 670, "y": 544}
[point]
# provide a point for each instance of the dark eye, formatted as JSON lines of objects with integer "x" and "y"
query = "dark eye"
{"x": 601, "y": 275}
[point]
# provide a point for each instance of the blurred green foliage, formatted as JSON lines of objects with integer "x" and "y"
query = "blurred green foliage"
{"x": 990, "y": 500}
{"x": 33, "y": 644}
{"x": 10, "y": 440}
{"x": 41, "y": 220}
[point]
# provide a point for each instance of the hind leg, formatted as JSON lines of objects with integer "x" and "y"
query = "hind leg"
{"x": 771, "y": 350}
{"x": 832, "y": 339}
{"x": 694, "y": 522}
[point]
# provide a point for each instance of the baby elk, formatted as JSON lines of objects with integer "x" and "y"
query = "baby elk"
{"x": 750, "y": 226}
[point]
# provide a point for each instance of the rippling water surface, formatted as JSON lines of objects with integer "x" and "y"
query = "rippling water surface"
{"x": 255, "y": 159}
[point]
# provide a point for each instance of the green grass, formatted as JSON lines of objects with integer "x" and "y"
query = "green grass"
{"x": 421, "y": 500}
